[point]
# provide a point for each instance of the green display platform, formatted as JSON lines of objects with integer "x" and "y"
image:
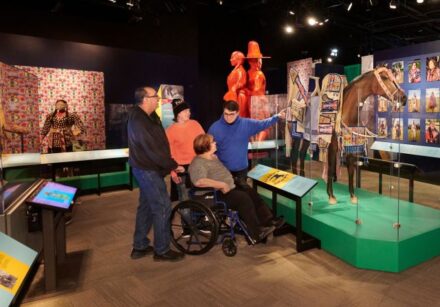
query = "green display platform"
{"x": 374, "y": 244}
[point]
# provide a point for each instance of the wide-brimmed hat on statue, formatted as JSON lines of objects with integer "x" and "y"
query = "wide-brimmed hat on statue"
{"x": 178, "y": 106}
{"x": 254, "y": 51}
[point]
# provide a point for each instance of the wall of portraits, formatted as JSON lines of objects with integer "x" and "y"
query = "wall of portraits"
{"x": 417, "y": 122}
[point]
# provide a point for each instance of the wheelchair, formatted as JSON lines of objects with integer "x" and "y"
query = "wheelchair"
{"x": 202, "y": 221}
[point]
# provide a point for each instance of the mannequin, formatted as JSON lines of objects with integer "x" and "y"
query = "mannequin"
{"x": 256, "y": 85}
{"x": 237, "y": 84}
{"x": 310, "y": 126}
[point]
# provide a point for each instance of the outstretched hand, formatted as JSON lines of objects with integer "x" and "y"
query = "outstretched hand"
{"x": 282, "y": 114}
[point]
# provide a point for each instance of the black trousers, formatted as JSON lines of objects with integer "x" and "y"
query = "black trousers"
{"x": 241, "y": 202}
{"x": 264, "y": 214}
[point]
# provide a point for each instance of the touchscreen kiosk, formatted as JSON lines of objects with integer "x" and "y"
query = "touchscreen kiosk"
{"x": 54, "y": 196}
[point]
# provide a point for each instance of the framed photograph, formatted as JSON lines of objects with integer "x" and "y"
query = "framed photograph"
{"x": 413, "y": 130}
{"x": 382, "y": 104}
{"x": 432, "y": 128}
{"x": 382, "y": 127}
{"x": 414, "y": 101}
{"x": 397, "y": 129}
{"x": 432, "y": 101}
{"x": 397, "y": 69}
{"x": 414, "y": 71}
{"x": 433, "y": 69}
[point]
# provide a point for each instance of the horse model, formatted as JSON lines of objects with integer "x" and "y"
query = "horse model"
{"x": 376, "y": 82}
{"x": 379, "y": 81}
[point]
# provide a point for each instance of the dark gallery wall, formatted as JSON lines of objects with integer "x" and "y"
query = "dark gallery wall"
{"x": 123, "y": 69}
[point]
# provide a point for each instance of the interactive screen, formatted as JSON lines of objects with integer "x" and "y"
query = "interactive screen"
{"x": 54, "y": 195}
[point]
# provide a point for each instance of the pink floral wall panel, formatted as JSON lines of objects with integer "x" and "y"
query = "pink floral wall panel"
{"x": 84, "y": 93}
{"x": 19, "y": 107}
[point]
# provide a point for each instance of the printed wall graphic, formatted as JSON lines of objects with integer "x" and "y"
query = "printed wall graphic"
{"x": 19, "y": 109}
{"x": 270, "y": 104}
{"x": 432, "y": 100}
{"x": 84, "y": 93}
{"x": 414, "y": 71}
{"x": 414, "y": 130}
{"x": 167, "y": 93}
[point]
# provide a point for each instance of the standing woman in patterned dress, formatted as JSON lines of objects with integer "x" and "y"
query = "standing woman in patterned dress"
{"x": 61, "y": 127}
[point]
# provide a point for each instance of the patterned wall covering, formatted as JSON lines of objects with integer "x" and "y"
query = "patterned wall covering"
{"x": 84, "y": 93}
{"x": 19, "y": 106}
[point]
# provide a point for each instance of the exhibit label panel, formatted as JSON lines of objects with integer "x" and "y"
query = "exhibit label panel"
{"x": 16, "y": 260}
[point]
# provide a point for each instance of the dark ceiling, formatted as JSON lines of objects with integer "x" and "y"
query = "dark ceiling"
{"x": 370, "y": 25}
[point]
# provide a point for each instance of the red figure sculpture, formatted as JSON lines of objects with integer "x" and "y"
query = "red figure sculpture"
{"x": 237, "y": 83}
{"x": 256, "y": 82}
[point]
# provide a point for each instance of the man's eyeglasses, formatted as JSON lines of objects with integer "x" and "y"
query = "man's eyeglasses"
{"x": 230, "y": 114}
{"x": 154, "y": 96}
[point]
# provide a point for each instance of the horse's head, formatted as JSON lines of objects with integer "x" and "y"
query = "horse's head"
{"x": 388, "y": 86}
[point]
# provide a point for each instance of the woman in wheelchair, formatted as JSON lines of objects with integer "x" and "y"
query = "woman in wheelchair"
{"x": 206, "y": 170}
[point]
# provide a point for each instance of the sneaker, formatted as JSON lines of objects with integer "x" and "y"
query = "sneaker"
{"x": 278, "y": 222}
{"x": 169, "y": 256}
{"x": 264, "y": 232}
{"x": 139, "y": 253}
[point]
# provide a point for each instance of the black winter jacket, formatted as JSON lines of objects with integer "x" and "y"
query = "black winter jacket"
{"x": 147, "y": 142}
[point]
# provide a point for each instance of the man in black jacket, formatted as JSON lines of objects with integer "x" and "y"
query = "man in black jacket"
{"x": 150, "y": 158}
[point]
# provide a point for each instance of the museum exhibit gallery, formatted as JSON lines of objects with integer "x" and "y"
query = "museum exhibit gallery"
{"x": 197, "y": 153}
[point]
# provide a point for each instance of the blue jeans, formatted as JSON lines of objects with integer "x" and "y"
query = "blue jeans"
{"x": 154, "y": 209}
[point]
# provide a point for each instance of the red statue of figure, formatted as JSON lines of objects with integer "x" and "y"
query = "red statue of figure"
{"x": 237, "y": 84}
{"x": 256, "y": 82}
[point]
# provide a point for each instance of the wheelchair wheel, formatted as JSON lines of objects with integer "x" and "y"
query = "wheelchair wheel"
{"x": 229, "y": 247}
{"x": 194, "y": 228}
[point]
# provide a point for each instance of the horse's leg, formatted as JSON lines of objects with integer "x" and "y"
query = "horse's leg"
{"x": 331, "y": 172}
{"x": 302, "y": 156}
{"x": 294, "y": 154}
{"x": 350, "y": 167}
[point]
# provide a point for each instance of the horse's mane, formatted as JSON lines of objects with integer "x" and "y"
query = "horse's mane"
{"x": 356, "y": 80}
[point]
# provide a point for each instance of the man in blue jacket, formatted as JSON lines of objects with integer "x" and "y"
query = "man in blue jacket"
{"x": 231, "y": 133}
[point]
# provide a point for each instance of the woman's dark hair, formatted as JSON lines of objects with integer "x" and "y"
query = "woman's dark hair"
{"x": 55, "y": 112}
{"x": 202, "y": 143}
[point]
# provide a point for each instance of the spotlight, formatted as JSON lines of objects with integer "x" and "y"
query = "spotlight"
{"x": 130, "y": 3}
{"x": 321, "y": 23}
{"x": 393, "y": 4}
{"x": 420, "y": 1}
{"x": 349, "y": 6}
{"x": 312, "y": 21}
{"x": 288, "y": 29}
{"x": 220, "y": 2}
{"x": 334, "y": 52}
{"x": 291, "y": 12}
{"x": 329, "y": 59}
{"x": 326, "y": 20}
{"x": 112, "y": 1}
